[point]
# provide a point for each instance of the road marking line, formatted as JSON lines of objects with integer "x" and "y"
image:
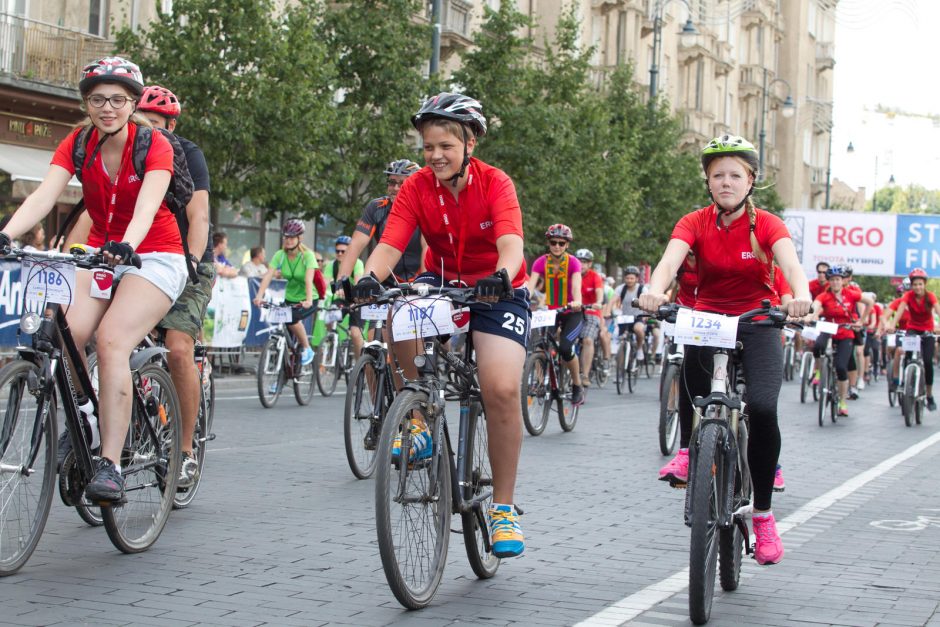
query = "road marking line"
{"x": 632, "y": 606}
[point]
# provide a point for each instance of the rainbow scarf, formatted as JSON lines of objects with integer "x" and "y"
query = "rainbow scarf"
{"x": 556, "y": 281}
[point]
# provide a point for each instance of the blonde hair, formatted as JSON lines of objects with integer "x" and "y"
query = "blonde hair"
{"x": 453, "y": 127}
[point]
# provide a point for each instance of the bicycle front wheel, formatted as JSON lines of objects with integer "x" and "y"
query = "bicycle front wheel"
{"x": 305, "y": 383}
{"x": 361, "y": 420}
{"x": 412, "y": 507}
{"x": 704, "y": 497}
{"x": 825, "y": 394}
{"x": 567, "y": 411}
{"x": 270, "y": 374}
{"x": 788, "y": 362}
{"x": 806, "y": 370}
{"x": 326, "y": 364}
{"x": 150, "y": 464}
{"x": 909, "y": 396}
{"x": 669, "y": 410}
{"x": 620, "y": 374}
{"x": 633, "y": 371}
{"x": 479, "y": 482}
{"x": 25, "y": 497}
{"x": 599, "y": 372}
{"x": 535, "y": 393}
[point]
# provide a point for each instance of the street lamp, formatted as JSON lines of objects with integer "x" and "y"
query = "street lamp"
{"x": 788, "y": 110}
{"x": 687, "y": 29}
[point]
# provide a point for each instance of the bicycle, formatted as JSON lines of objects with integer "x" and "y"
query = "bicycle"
{"x": 279, "y": 361}
{"x": 789, "y": 354}
{"x": 669, "y": 395}
{"x": 719, "y": 488}
{"x": 807, "y": 367}
{"x": 368, "y": 397}
{"x": 626, "y": 370}
{"x": 913, "y": 393}
{"x": 414, "y": 501}
{"x": 828, "y": 387}
{"x": 546, "y": 381}
{"x": 52, "y": 371}
{"x": 334, "y": 358}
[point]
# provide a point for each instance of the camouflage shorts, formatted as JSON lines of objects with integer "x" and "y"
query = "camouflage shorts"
{"x": 187, "y": 313}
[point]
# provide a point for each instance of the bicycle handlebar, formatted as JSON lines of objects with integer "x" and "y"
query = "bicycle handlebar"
{"x": 776, "y": 317}
{"x": 85, "y": 257}
{"x": 460, "y": 295}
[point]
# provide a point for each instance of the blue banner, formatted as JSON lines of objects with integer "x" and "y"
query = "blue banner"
{"x": 11, "y": 303}
{"x": 918, "y": 244}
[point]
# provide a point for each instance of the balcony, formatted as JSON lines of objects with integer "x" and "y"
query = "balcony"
{"x": 456, "y": 26}
{"x": 817, "y": 179}
{"x": 825, "y": 55}
{"x": 757, "y": 12}
{"x": 724, "y": 60}
{"x": 46, "y": 53}
{"x": 752, "y": 80}
{"x": 822, "y": 116}
{"x": 697, "y": 126}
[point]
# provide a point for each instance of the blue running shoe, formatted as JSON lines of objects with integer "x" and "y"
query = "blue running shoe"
{"x": 306, "y": 357}
{"x": 505, "y": 532}
{"x": 421, "y": 444}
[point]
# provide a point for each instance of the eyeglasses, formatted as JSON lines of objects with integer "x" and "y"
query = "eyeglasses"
{"x": 340, "y": 251}
{"x": 319, "y": 259}
{"x": 394, "y": 183}
{"x": 556, "y": 242}
{"x": 117, "y": 102}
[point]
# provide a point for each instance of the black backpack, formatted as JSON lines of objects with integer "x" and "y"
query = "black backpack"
{"x": 178, "y": 194}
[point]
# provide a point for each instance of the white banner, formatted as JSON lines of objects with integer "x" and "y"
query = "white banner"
{"x": 230, "y": 311}
{"x": 865, "y": 241}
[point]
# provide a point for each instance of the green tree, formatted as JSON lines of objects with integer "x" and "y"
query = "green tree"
{"x": 379, "y": 52}
{"x": 256, "y": 90}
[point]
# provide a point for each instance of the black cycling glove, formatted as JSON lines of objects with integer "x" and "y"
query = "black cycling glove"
{"x": 119, "y": 249}
{"x": 496, "y": 285}
{"x": 366, "y": 289}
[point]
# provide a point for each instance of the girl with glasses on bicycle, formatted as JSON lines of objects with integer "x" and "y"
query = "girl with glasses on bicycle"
{"x": 129, "y": 215}
{"x": 469, "y": 215}
{"x": 296, "y": 264}
{"x": 735, "y": 245}
{"x": 921, "y": 306}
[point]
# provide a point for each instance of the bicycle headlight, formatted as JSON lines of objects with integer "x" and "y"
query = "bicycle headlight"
{"x": 420, "y": 360}
{"x": 30, "y": 322}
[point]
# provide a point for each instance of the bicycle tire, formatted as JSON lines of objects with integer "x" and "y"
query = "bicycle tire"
{"x": 305, "y": 384}
{"x": 327, "y": 375}
{"x": 413, "y": 585}
{"x": 892, "y": 388}
{"x": 599, "y": 373}
{"x": 567, "y": 411}
{"x": 185, "y": 496}
{"x": 150, "y": 464}
{"x": 631, "y": 369}
{"x": 620, "y": 374}
{"x": 669, "y": 410}
{"x": 536, "y": 393}
{"x": 731, "y": 539}
{"x": 358, "y": 419}
{"x": 806, "y": 381}
{"x": 833, "y": 392}
{"x": 908, "y": 399}
{"x": 478, "y": 479}
{"x": 25, "y": 499}
{"x": 705, "y": 499}
{"x": 825, "y": 395}
{"x": 788, "y": 362}
{"x": 920, "y": 401}
{"x": 270, "y": 374}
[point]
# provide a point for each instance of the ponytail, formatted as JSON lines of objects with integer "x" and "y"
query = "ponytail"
{"x": 755, "y": 245}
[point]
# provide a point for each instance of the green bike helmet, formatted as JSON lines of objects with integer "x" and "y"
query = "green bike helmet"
{"x": 731, "y": 146}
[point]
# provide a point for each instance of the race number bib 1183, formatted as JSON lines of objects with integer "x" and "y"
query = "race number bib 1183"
{"x": 49, "y": 281}
{"x": 700, "y": 328}
{"x": 422, "y": 317}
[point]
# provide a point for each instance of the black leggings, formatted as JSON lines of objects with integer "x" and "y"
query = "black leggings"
{"x": 762, "y": 366}
{"x": 843, "y": 352}
{"x": 569, "y": 329}
{"x": 927, "y": 343}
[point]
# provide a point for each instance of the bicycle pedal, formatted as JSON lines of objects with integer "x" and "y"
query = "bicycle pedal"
{"x": 120, "y": 503}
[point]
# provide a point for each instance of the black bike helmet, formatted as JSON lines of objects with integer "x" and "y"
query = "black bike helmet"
{"x": 456, "y": 107}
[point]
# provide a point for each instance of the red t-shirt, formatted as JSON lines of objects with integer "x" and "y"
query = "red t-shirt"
{"x": 781, "y": 287}
{"x": 461, "y": 235}
{"x": 874, "y": 316}
{"x": 97, "y": 189}
{"x": 844, "y": 312}
{"x": 902, "y": 322}
{"x": 816, "y": 288}
{"x": 731, "y": 279}
{"x": 921, "y": 311}
{"x": 590, "y": 282}
{"x": 687, "y": 279}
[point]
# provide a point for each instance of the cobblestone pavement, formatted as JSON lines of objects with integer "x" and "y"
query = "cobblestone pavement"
{"x": 281, "y": 533}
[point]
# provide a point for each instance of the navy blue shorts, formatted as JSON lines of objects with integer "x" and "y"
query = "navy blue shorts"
{"x": 508, "y": 318}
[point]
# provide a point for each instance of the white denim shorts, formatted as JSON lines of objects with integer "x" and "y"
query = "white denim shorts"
{"x": 165, "y": 270}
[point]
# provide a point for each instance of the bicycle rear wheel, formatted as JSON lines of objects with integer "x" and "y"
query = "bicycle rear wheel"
{"x": 361, "y": 425}
{"x": 25, "y": 498}
{"x": 185, "y": 496}
{"x": 620, "y": 374}
{"x": 150, "y": 464}
{"x": 567, "y": 411}
{"x": 669, "y": 410}
{"x": 909, "y": 396}
{"x": 270, "y": 374}
{"x": 705, "y": 501}
{"x": 806, "y": 378}
{"x": 536, "y": 393}
{"x": 412, "y": 507}
{"x": 788, "y": 362}
{"x": 599, "y": 371}
{"x": 478, "y": 481}
{"x": 326, "y": 364}
{"x": 305, "y": 383}
{"x": 633, "y": 372}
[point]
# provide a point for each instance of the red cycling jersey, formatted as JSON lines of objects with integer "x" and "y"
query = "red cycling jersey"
{"x": 816, "y": 288}
{"x": 900, "y": 323}
{"x": 687, "y": 279}
{"x": 590, "y": 282}
{"x": 874, "y": 317}
{"x": 117, "y": 201}
{"x": 841, "y": 310}
{"x": 461, "y": 235}
{"x": 731, "y": 279}
{"x": 921, "y": 310}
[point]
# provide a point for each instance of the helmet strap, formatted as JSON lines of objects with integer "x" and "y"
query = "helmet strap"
{"x": 737, "y": 208}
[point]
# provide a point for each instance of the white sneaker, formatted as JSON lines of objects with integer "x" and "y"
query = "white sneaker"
{"x": 639, "y": 355}
{"x": 861, "y": 384}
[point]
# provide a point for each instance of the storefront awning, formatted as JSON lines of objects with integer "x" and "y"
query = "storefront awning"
{"x": 28, "y": 166}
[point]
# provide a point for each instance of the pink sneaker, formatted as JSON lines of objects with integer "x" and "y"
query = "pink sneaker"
{"x": 779, "y": 484}
{"x": 677, "y": 470}
{"x": 769, "y": 547}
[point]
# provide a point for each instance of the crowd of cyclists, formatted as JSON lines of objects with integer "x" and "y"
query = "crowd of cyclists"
{"x": 455, "y": 221}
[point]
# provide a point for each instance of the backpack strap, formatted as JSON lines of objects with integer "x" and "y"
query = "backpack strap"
{"x": 69, "y": 219}
{"x": 80, "y": 150}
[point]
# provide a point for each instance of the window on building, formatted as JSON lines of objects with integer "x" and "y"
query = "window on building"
{"x": 97, "y": 17}
{"x": 166, "y": 6}
{"x": 811, "y": 18}
{"x": 621, "y": 37}
{"x": 807, "y": 146}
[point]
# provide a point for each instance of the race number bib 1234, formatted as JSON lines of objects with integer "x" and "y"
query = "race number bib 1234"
{"x": 49, "y": 281}
{"x": 700, "y": 328}
{"x": 422, "y": 317}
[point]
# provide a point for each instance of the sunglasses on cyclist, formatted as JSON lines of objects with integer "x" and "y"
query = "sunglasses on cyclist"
{"x": 556, "y": 242}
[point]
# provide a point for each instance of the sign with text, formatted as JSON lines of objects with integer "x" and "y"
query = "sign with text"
{"x": 918, "y": 244}
{"x": 865, "y": 241}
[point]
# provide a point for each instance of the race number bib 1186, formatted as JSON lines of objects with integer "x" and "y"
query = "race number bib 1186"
{"x": 700, "y": 328}
{"x": 49, "y": 281}
{"x": 422, "y": 317}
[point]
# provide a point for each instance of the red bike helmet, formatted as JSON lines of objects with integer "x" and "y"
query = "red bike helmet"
{"x": 111, "y": 70}
{"x": 918, "y": 273}
{"x": 293, "y": 228}
{"x": 559, "y": 230}
{"x": 159, "y": 100}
